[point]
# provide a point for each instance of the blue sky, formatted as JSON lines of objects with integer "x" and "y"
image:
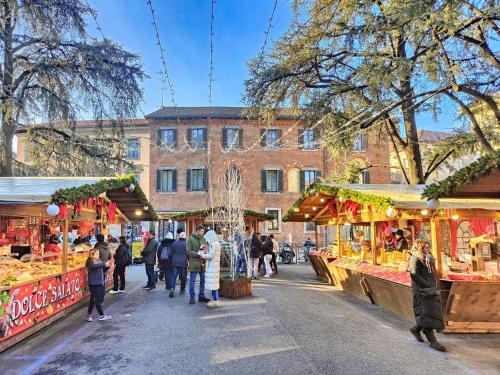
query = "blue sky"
{"x": 184, "y": 27}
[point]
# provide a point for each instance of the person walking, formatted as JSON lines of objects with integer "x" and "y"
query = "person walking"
{"x": 267, "y": 254}
{"x": 178, "y": 258}
{"x": 104, "y": 252}
{"x": 195, "y": 243}
{"x": 122, "y": 260}
{"x": 241, "y": 263}
{"x": 149, "y": 257}
{"x": 426, "y": 299}
{"x": 212, "y": 255}
{"x": 276, "y": 250}
{"x": 253, "y": 262}
{"x": 164, "y": 260}
{"x": 96, "y": 284}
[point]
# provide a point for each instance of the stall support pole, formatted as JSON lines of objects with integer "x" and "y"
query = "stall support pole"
{"x": 436, "y": 248}
{"x": 316, "y": 236}
{"x": 373, "y": 240}
{"x": 338, "y": 240}
{"x": 65, "y": 247}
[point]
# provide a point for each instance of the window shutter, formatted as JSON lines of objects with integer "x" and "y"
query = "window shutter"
{"x": 189, "y": 137}
{"x": 205, "y": 179}
{"x": 279, "y": 134}
{"x": 175, "y": 138}
{"x": 364, "y": 141}
{"x": 158, "y": 180}
{"x": 188, "y": 180}
{"x": 205, "y": 137}
{"x": 263, "y": 137}
{"x": 318, "y": 175}
{"x": 280, "y": 181}
{"x": 317, "y": 136}
{"x": 224, "y": 138}
{"x": 263, "y": 181}
{"x": 302, "y": 181}
{"x": 301, "y": 138}
{"x": 174, "y": 180}
{"x": 159, "y": 141}
{"x": 240, "y": 139}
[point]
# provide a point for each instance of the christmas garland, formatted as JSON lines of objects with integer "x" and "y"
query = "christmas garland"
{"x": 208, "y": 211}
{"x": 465, "y": 176}
{"x": 73, "y": 195}
{"x": 339, "y": 191}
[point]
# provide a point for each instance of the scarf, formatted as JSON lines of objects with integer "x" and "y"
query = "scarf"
{"x": 426, "y": 259}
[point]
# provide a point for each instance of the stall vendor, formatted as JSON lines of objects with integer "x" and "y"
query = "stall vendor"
{"x": 52, "y": 246}
{"x": 389, "y": 240}
{"x": 402, "y": 243}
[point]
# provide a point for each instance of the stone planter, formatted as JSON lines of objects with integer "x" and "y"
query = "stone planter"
{"x": 237, "y": 288}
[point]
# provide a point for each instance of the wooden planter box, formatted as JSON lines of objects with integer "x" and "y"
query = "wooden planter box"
{"x": 235, "y": 288}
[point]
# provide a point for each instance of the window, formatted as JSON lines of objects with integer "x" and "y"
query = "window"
{"x": 232, "y": 138}
{"x": 133, "y": 147}
{"x": 270, "y": 138}
{"x": 308, "y": 177}
{"x": 166, "y": 180}
{"x": 360, "y": 143}
{"x": 274, "y": 224}
{"x": 197, "y": 179}
{"x": 167, "y": 138}
{"x": 272, "y": 181}
{"x": 197, "y": 138}
{"x": 309, "y": 227}
{"x": 308, "y": 139}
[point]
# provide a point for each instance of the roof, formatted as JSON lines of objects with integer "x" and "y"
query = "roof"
{"x": 207, "y": 211}
{"x": 431, "y": 137}
{"x": 166, "y": 113}
{"x": 69, "y": 190}
{"x": 82, "y": 124}
{"x": 380, "y": 196}
{"x": 480, "y": 178}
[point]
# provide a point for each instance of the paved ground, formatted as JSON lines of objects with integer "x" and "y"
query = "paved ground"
{"x": 293, "y": 325}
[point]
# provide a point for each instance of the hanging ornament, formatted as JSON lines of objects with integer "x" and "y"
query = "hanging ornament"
{"x": 391, "y": 212}
{"x": 63, "y": 211}
{"x": 111, "y": 212}
{"x": 53, "y": 210}
{"x": 332, "y": 208}
{"x": 130, "y": 188}
{"x": 77, "y": 209}
{"x": 433, "y": 204}
{"x": 98, "y": 210}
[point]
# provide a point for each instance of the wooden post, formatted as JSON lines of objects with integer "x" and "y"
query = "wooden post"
{"x": 65, "y": 246}
{"x": 338, "y": 240}
{"x": 316, "y": 236}
{"x": 373, "y": 239}
{"x": 436, "y": 248}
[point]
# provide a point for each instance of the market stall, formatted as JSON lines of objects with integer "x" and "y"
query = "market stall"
{"x": 47, "y": 227}
{"x": 376, "y": 225}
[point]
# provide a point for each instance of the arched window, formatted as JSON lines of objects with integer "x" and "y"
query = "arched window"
{"x": 463, "y": 238}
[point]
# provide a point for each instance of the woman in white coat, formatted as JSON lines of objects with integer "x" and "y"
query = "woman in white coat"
{"x": 212, "y": 271}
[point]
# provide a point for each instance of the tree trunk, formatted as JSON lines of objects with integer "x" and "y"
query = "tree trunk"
{"x": 8, "y": 124}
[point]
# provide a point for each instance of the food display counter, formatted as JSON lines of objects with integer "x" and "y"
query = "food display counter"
{"x": 375, "y": 227}
{"x": 55, "y": 224}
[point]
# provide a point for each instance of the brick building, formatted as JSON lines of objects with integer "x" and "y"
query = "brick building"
{"x": 196, "y": 145}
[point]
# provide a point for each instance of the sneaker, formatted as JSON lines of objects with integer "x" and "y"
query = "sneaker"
{"x": 151, "y": 289}
{"x": 267, "y": 276}
{"x": 105, "y": 317}
{"x": 112, "y": 291}
{"x": 146, "y": 287}
{"x": 89, "y": 318}
{"x": 121, "y": 291}
{"x": 203, "y": 299}
{"x": 171, "y": 294}
{"x": 191, "y": 301}
{"x": 182, "y": 292}
{"x": 213, "y": 304}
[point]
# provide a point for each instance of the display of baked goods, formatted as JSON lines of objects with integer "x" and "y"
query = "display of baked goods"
{"x": 13, "y": 271}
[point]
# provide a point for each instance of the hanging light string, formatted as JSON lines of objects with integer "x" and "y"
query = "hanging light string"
{"x": 162, "y": 54}
{"x": 266, "y": 33}
{"x": 94, "y": 16}
{"x": 211, "y": 66}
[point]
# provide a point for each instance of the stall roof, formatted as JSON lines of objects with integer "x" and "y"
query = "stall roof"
{"x": 377, "y": 195}
{"x": 261, "y": 216}
{"x": 479, "y": 179}
{"x": 69, "y": 190}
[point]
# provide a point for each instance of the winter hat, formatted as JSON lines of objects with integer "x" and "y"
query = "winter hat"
{"x": 169, "y": 236}
{"x": 182, "y": 235}
{"x": 211, "y": 237}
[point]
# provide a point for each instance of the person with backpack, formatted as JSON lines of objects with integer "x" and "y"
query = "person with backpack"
{"x": 164, "y": 259}
{"x": 122, "y": 260}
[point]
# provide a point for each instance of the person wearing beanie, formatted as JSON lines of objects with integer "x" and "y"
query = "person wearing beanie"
{"x": 178, "y": 263}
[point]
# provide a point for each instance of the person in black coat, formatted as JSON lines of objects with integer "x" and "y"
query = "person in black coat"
{"x": 402, "y": 243}
{"x": 426, "y": 299}
{"x": 121, "y": 261}
{"x": 164, "y": 261}
{"x": 178, "y": 261}
{"x": 149, "y": 257}
{"x": 253, "y": 262}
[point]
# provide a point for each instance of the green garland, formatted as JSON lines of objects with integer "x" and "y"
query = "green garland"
{"x": 339, "y": 191}
{"x": 465, "y": 176}
{"x": 208, "y": 211}
{"x": 76, "y": 194}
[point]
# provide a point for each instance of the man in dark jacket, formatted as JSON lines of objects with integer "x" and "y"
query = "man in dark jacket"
{"x": 178, "y": 258}
{"x": 149, "y": 257}
{"x": 104, "y": 252}
{"x": 253, "y": 262}
{"x": 195, "y": 244}
{"x": 121, "y": 261}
